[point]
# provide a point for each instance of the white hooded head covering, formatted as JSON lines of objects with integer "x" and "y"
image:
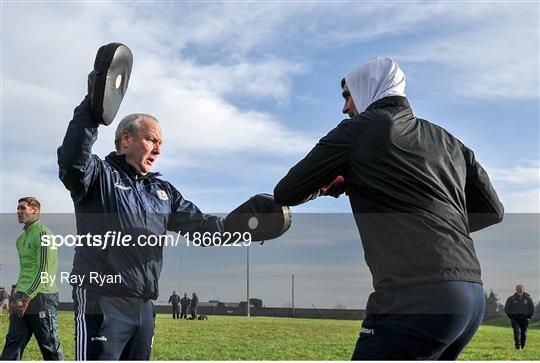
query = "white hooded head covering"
{"x": 375, "y": 79}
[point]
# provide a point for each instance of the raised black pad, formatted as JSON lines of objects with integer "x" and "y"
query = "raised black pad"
{"x": 108, "y": 82}
{"x": 261, "y": 216}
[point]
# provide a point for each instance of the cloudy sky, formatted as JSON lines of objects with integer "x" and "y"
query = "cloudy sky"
{"x": 244, "y": 90}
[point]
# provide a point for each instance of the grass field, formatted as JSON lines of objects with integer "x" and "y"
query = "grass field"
{"x": 259, "y": 338}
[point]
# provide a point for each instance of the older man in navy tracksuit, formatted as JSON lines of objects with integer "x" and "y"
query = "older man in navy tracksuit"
{"x": 115, "y": 320}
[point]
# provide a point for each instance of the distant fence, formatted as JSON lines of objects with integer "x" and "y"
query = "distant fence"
{"x": 342, "y": 314}
{"x": 345, "y": 314}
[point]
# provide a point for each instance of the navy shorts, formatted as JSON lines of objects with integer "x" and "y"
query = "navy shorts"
{"x": 431, "y": 321}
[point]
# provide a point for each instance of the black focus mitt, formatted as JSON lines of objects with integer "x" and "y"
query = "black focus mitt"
{"x": 261, "y": 216}
{"x": 108, "y": 82}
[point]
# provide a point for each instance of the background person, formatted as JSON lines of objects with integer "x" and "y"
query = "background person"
{"x": 34, "y": 303}
{"x": 174, "y": 300}
{"x": 184, "y": 303}
{"x": 194, "y": 306}
{"x": 416, "y": 193}
{"x": 4, "y": 299}
{"x": 520, "y": 309}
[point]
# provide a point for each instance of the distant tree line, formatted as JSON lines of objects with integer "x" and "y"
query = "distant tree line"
{"x": 255, "y": 302}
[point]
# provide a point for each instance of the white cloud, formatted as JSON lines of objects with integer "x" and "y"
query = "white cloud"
{"x": 266, "y": 79}
{"x": 525, "y": 175}
{"x": 29, "y": 174}
{"x": 518, "y": 187}
{"x": 495, "y": 56}
{"x": 521, "y": 201}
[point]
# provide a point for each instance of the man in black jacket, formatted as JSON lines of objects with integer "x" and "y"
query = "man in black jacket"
{"x": 194, "y": 306}
{"x": 520, "y": 309}
{"x": 416, "y": 193}
{"x": 174, "y": 300}
{"x": 184, "y": 304}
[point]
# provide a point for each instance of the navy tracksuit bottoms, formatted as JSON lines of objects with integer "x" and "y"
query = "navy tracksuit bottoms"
{"x": 39, "y": 320}
{"x": 520, "y": 331}
{"x": 112, "y": 328}
{"x": 176, "y": 311}
{"x": 430, "y": 321}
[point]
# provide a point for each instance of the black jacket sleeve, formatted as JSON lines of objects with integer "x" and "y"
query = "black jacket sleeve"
{"x": 483, "y": 205}
{"x": 328, "y": 159}
{"x": 530, "y": 304}
{"x": 78, "y": 168}
{"x": 507, "y": 308}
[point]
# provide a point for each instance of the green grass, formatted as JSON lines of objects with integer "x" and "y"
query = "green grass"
{"x": 504, "y": 322}
{"x": 259, "y": 338}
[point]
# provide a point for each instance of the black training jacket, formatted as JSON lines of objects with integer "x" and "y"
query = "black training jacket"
{"x": 109, "y": 196}
{"x": 519, "y": 307}
{"x": 415, "y": 190}
{"x": 185, "y": 302}
{"x": 175, "y": 300}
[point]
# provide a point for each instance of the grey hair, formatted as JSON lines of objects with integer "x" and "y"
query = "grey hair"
{"x": 131, "y": 124}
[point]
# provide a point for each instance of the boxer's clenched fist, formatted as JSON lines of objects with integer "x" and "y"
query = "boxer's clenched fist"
{"x": 335, "y": 188}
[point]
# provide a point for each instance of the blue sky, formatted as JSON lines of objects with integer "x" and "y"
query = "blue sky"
{"x": 244, "y": 90}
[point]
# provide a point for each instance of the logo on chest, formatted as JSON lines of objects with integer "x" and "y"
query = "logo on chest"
{"x": 162, "y": 195}
{"x": 120, "y": 186}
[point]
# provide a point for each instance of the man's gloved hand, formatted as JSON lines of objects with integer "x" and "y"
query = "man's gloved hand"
{"x": 91, "y": 81}
{"x": 335, "y": 188}
{"x": 18, "y": 306}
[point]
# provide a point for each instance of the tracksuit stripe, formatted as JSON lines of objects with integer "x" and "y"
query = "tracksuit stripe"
{"x": 81, "y": 324}
{"x": 84, "y": 325}
{"x": 42, "y": 267}
{"x": 78, "y": 324}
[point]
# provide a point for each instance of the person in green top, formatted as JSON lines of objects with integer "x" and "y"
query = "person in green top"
{"x": 33, "y": 307}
